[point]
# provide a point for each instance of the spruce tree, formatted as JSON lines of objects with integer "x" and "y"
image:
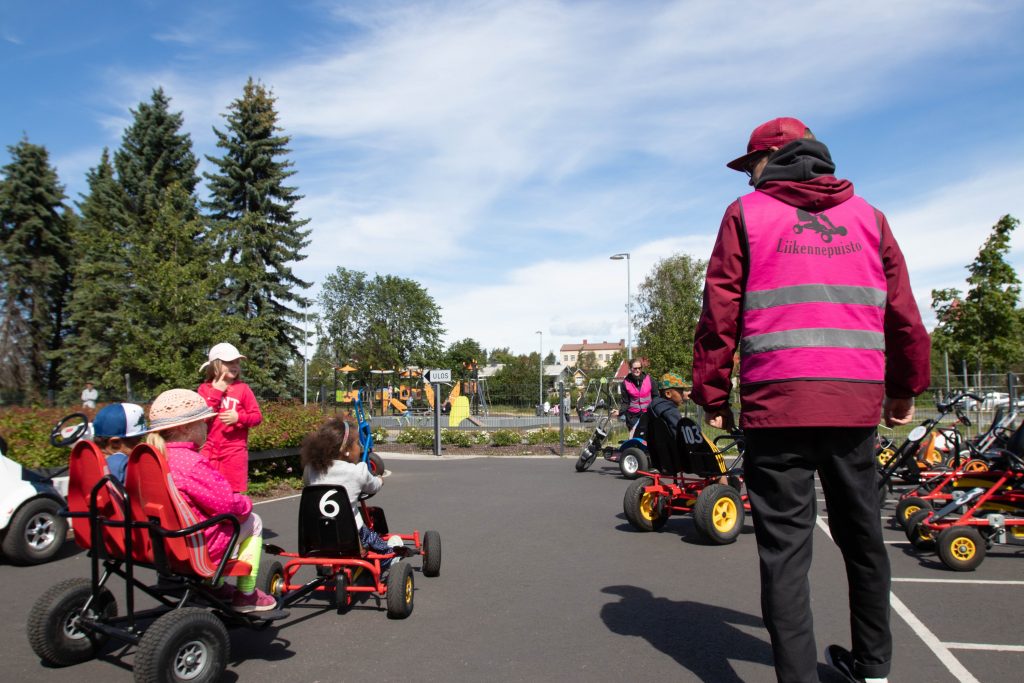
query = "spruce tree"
{"x": 155, "y": 155}
{"x": 102, "y": 286}
{"x": 34, "y": 258}
{"x": 171, "y": 318}
{"x": 256, "y": 236}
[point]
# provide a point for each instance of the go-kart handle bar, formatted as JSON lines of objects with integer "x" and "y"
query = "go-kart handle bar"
{"x": 954, "y": 400}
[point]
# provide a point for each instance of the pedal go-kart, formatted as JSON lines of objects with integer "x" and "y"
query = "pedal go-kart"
{"x": 991, "y": 511}
{"x": 31, "y": 528}
{"x": 143, "y": 524}
{"x": 718, "y": 509}
{"x": 630, "y": 455}
{"x": 940, "y": 488}
{"x": 329, "y": 543}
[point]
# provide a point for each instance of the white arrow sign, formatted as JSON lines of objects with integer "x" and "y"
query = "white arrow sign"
{"x": 437, "y": 376}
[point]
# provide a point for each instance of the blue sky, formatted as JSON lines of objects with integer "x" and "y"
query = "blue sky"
{"x": 500, "y": 152}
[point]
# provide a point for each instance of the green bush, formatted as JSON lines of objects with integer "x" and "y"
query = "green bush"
{"x": 545, "y": 435}
{"x": 480, "y": 438}
{"x": 455, "y": 437}
{"x": 424, "y": 438}
{"x": 506, "y": 437}
{"x": 574, "y": 437}
{"x": 380, "y": 435}
{"x": 284, "y": 425}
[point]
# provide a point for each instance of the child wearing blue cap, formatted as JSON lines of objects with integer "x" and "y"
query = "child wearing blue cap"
{"x": 117, "y": 429}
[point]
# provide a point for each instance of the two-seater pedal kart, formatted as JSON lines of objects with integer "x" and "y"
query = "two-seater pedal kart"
{"x": 692, "y": 478}
{"x": 344, "y": 570}
{"x": 129, "y": 530}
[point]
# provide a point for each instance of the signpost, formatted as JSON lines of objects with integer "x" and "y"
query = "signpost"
{"x": 436, "y": 378}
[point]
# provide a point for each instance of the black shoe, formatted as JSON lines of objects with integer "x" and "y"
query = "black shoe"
{"x": 840, "y": 659}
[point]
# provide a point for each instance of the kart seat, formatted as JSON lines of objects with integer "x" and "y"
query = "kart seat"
{"x": 701, "y": 456}
{"x": 86, "y": 467}
{"x": 661, "y": 445}
{"x": 167, "y": 533}
{"x": 327, "y": 527}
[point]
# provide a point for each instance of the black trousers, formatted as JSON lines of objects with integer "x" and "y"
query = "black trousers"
{"x": 779, "y": 467}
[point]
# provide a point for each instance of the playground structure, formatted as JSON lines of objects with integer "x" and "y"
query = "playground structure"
{"x": 383, "y": 396}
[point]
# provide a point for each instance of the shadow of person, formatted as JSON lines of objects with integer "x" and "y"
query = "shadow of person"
{"x": 702, "y": 638}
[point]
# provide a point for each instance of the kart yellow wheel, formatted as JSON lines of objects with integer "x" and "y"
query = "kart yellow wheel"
{"x": 885, "y": 455}
{"x": 400, "y": 590}
{"x": 920, "y": 536}
{"x": 645, "y": 510}
{"x": 975, "y": 465}
{"x": 272, "y": 582}
{"x": 906, "y": 508}
{"x": 718, "y": 514}
{"x": 961, "y": 548}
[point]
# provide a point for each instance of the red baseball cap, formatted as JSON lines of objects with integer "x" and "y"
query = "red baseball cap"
{"x": 775, "y": 133}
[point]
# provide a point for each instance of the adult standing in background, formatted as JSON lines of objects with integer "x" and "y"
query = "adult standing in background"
{"x": 634, "y": 394}
{"x": 807, "y": 280}
{"x": 89, "y": 396}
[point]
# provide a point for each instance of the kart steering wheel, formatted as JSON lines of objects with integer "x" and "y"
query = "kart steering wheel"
{"x": 69, "y": 430}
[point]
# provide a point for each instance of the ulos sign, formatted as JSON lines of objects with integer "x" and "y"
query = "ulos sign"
{"x": 437, "y": 376}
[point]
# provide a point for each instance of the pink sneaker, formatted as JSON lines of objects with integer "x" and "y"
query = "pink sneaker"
{"x": 257, "y": 601}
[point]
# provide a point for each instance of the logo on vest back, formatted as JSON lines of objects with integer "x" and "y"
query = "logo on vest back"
{"x": 825, "y": 228}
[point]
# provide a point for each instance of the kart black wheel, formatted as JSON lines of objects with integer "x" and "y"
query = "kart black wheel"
{"x": 69, "y": 430}
{"x": 907, "y": 507}
{"x": 272, "y": 580}
{"x": 920, "y": 537}
{"x": 36, "y": 532}
{"x": 375, "y": 464}
{"x": 401, "y": 588}
{"x": 718, "y": 514}
{"x": 961, "y": 548}
{"x": 633, "y": 460}
{"x": 645, "y": 511}
{"x": 187, "y": 644}
{"x": 431, "y": 554}
{"x": 53, "y": 629}
{"x": 339, "y": 596}
{"x": 586, "y": 459}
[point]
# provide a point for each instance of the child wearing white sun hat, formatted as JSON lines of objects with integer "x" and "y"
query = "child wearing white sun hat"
{"x": 227, "y": 445}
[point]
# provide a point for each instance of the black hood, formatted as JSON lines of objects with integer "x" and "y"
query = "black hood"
{"x": 799, "y": 160}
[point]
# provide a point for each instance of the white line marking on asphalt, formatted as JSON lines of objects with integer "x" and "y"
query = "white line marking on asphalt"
{"x": 274, "y": 500}
{"x": 942, "y": 652}
{"x": 985, "y": 646}
{"x": 994, "y": 582}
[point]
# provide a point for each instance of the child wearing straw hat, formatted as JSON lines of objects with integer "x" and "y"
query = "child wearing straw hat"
{"x": 177, "y": 421}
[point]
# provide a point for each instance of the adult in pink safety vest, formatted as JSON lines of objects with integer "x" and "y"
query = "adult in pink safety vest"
{"x": 807, "y": 282}
{"x": 634, "y": 394}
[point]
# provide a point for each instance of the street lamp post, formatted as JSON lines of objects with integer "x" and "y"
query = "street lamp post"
{"x": 540, "y": 373}
{"x": 629, "y": 305}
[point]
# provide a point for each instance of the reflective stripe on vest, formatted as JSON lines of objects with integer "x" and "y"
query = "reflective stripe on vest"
{"x": 814, "y": 305}
{"x": 639, "y": 398}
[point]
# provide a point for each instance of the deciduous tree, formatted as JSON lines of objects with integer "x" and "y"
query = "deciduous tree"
{"x": 986, "y": 324}
{"x": 669, "y": 302}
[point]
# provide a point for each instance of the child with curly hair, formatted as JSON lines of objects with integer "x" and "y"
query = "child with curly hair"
{"x": 332, "y": 455}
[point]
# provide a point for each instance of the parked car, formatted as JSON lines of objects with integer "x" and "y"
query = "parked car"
{"x": 31, "y": 528}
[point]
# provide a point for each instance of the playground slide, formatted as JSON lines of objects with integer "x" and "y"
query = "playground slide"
{"x": 398, "y": 405}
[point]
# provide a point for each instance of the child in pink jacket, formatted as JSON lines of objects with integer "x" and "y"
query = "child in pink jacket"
{"x": 227, "y": 445}
{"x": 178, "y": 420}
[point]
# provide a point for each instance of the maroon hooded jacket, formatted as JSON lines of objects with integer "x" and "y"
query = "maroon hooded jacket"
{"x": 800, "y": 174}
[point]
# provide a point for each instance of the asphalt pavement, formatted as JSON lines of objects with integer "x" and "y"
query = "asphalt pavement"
{"x": 542, "y": 579}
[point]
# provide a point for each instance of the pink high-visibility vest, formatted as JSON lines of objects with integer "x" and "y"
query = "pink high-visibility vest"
{"x": 639, "y": 397}
{"x": 814, "y": 304}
